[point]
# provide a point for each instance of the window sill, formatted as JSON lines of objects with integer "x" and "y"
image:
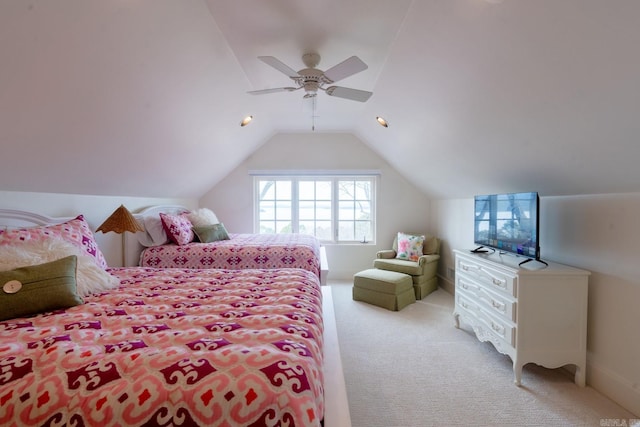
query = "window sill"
{"x": 369, "y": 243}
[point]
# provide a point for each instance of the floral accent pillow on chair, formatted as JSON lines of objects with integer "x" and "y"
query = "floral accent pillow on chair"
{"x": 409, "y": 246}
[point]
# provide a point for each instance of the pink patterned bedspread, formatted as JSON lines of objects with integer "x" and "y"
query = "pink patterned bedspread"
{"x": 240, "y": 252}
{"x": 171, "y": 347}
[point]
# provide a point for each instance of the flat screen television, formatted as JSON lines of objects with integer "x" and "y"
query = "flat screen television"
{"x": 508, "y": 223}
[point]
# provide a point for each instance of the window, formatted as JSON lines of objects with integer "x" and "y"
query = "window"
{"x": 338, "y": 209}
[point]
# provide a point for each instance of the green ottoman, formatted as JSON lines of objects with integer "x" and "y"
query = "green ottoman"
{"x": 386, "y": 289}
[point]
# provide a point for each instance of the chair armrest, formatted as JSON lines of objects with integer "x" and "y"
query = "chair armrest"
{"x": 427, "y": 259}
{"x": 387, "y": 254}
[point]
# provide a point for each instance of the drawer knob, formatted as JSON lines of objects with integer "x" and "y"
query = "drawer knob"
{"x": 499, "y": 329}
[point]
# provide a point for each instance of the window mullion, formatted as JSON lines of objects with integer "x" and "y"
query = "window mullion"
{"x": 295, "y": 204}
{"x": 335, "y": 210}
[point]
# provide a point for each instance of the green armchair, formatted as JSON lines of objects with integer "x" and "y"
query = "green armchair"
{"x": 422, "y": 272}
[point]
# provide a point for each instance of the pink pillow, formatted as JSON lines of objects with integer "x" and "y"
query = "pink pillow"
{"x": 75, "y": 231}
{"x": 178, "y": 228}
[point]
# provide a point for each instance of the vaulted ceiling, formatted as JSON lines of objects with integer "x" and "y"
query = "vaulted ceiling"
{"x": 144, "y": 97}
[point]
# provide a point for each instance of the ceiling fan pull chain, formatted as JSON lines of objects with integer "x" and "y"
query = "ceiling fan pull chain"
{"x": 313, "y": 115}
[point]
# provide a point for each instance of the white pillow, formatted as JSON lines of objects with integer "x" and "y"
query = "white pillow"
{"x": 154, "y": 233}
{"x": 90, "y": 278}
{"x": 202, "y": 216}
{"x": 153, "y": 225}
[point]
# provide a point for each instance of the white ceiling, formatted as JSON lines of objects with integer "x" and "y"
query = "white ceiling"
{"x": 144, "y": 97}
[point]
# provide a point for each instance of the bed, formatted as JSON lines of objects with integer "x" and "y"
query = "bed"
{"x": 239, "y": 251}
{"x": 214, "y": 347}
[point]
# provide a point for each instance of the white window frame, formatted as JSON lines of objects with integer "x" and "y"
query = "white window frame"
{"x": 334, "y": 178}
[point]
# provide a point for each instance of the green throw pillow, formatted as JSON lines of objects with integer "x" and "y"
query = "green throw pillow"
{"x": 38, "y": 288}
{"x": 211, "y": 233}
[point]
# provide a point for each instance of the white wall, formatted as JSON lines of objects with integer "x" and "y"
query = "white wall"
{"x": 401, "y": 207}
{"x": 95, "y": 210}
{"x": 599, "y": 233}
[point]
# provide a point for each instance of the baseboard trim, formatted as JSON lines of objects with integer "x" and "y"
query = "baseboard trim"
{"x": 446, "y": 284}
{"x": 622, "y": 391}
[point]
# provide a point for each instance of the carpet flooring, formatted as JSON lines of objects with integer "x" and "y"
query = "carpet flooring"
{"x": 414, "y": 368}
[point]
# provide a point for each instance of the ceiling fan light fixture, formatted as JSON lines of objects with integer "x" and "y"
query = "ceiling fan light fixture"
{"x": 246, "y": 121}
{"x": 382, "y": 121}
{"x": 312, "y": 79}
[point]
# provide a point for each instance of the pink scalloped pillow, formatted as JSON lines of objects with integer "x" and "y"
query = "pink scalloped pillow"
{"x": 178, "y": 228}
{"x": 75, "y": 231}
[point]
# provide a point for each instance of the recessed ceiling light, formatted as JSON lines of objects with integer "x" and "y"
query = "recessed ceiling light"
{"x": 246, "y": 121}
{"x": 382, "y": 121}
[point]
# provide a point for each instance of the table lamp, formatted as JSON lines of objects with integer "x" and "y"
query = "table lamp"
{"x": 120, "y": 221}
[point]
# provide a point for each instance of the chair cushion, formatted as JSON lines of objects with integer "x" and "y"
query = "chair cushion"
{"x": 411, "y": 268}
{"x": 431, "y": 246}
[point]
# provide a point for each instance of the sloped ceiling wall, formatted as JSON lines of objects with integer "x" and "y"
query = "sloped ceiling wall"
{"x": 117, "y": 98}
{"x": 145, "y": 98}
{"x": 525, "y": 95}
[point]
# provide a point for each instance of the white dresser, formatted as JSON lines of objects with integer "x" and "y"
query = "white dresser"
{"x": 532, "y": 313}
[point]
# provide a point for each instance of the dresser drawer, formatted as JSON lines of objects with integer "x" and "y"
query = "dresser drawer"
{"x": 497, "y": 280}
{"x": 534, "y": 314}
{"x": 494, "y": 302}
{"x": 486, "y": 325}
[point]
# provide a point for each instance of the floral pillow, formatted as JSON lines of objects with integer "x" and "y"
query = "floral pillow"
{"x": 409, "y": 246}
{"x": 178, "y": 228}
{"x": 75, "y": 231}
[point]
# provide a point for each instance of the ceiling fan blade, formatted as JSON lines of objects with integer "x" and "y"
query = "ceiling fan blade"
{"x": 348, "y": 93}
{"x": 274, "y": 90}
{"x": 346, "y": 68}
{"x": 279, "y": 65}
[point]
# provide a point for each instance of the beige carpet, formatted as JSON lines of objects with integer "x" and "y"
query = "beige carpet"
{"x": 414, "y": 368}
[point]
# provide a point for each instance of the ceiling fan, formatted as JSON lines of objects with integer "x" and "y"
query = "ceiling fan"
{"x": 312, "y": 79}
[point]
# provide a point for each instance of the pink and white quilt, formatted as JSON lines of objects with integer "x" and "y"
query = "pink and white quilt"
{"x": 171, "y": 347}
{"x": 239, "y": 252}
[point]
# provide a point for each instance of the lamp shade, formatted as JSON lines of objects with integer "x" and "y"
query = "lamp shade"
{"x": 120, "y": 221}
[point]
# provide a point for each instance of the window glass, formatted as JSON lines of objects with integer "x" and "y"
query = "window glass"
{"x": 334, "y": 209}
{"x": 283, "y": 190}
{"x": 323, "y": 190}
